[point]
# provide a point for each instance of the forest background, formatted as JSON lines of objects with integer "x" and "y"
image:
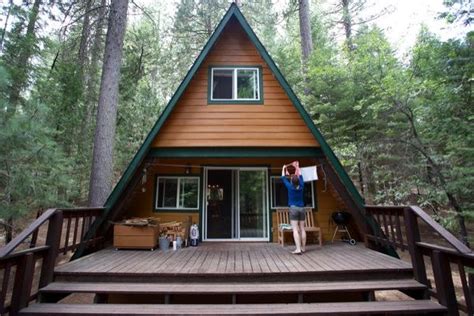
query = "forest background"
{"x": 402, "y": 125}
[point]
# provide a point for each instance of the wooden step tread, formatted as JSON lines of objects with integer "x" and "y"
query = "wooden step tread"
{"x": 230, "y": 288}
{"x": 352, "y": 308}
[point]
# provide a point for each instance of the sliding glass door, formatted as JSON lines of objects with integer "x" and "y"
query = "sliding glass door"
{"x": 236, "y": 204}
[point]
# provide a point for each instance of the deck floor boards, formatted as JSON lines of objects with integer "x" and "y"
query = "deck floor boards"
{"x": 233, "y": 258}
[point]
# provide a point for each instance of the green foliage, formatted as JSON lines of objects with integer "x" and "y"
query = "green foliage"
{"x": 27, "y": 181}
{"x": 458, "y": 10}
{"x": 404, "y": 131}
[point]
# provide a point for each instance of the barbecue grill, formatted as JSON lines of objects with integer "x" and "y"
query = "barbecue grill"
{"x": 341, "y": 219}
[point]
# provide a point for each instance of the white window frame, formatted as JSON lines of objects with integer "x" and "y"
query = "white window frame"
{"x": 234, "y": 84}
{"x": 271, "y": 193}
{"x": 177, "y": 207}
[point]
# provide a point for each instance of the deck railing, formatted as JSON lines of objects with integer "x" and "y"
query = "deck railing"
{"x": 28, "y": 261}
{"x": 400, "y": 229}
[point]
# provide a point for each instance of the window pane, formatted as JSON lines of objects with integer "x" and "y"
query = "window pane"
{"x": 247, "y": 84}
{"x": 222, "y": 83}
{"x": 169, "y": 193}
{"x": 188, "y": 195}
{"x": 252, "y": 192}
{"x": 280, "y": 194}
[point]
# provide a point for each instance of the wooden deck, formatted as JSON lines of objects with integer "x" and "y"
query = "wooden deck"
{"x": 228, "y": 260}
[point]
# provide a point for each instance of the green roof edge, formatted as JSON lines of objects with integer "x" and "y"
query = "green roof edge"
{"x": 145, "y": 147}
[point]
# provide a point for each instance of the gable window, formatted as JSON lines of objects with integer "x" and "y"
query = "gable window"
{"x": 280, "y": 194}
{"x": 235, "y": 84}
{"x": 177, "y": 193}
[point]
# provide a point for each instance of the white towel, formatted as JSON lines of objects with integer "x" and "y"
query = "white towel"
{"x": 309, "y": 173}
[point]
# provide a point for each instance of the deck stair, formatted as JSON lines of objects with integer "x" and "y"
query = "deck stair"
{"x": 354, "y": 308}
{"x": 238, "y": 295}
{"x": 235, "y": 279}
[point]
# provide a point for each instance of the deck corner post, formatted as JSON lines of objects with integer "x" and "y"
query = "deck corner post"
{"x": 470, "y": 299}
{"x": 413, "y": 236}
{"x": 23, "y": 283}
{"x": 444, "y": 282}
{"x": 53, "y": 239}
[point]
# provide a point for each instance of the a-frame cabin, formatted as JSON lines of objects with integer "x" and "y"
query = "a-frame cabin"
{"x": 214, "y": 156}
{"x": 233, "y": 119}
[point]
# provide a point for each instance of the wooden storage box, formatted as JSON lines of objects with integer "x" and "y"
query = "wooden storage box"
{"x": 135, "y": 237}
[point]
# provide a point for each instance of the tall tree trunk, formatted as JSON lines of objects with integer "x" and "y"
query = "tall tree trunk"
{"x": 82, "y": 55}
{"x": 24, "y": 55}
{"x": 8, "y": 225}
{"x": 102, "y": 161}
{"x": 10, "y": 7}
{"x": 347, "y": 22}
{"x": 93, "y": 71}
{"x": 92, "y": 78}
{"x": 208, "y": 22}
{"x": 306, "y": 39}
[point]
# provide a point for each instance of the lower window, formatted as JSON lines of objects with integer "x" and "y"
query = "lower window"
{"x": 177, "y": 193}
{"x": 280, "y": 193}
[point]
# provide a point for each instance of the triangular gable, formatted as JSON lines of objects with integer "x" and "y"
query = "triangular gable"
{"x": 145, "y": 147}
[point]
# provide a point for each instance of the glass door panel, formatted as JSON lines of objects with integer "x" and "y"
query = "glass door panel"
{"x": 252, "y": 204}
{"x": 219, "y": 198}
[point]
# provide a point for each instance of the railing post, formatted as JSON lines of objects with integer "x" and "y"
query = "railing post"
{"x": 444, "y": 282}
{"x": 413, "y": 236}
{"x": 470, "y": 299}
{"x": 23, "y": 283}
{"x": 53, "y": 239}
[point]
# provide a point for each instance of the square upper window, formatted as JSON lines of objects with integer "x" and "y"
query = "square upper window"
{"x": 235, "y": 85}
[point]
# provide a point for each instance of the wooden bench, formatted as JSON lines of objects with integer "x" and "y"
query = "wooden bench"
{"x": 283, "y": 217}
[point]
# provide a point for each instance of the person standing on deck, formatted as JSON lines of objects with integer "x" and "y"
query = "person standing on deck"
{"x": 295, "y": 187}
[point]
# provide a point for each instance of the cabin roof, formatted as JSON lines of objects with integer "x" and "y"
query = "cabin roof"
{"x": 233, "y": 12}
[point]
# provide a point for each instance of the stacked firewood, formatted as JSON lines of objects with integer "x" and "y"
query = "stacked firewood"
{"x": 138, "y": 221}
{"x": 173, "y": 230}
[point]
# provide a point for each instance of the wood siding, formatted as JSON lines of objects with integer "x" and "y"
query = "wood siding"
{"x": 141, "y": 203}
{"x": 195, "y": 123}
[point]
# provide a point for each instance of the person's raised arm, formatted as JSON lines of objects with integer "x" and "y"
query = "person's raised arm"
{"x": 296, "y": 164}
{"x": 283, "y": 170}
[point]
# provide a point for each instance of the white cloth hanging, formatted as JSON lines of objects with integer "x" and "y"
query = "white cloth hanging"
{"x": 309, "y": 173}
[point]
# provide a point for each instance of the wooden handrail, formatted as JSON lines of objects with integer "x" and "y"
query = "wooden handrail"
{"x": 24, "y": 262}
{"x": 11, "y": 246}
{"x": 469, "y": 257}
{"x": 5, "y": 251}
{"x": 442, "y": 258}
{"x": 443, "y": 232}
{"x": 24, "y": 252}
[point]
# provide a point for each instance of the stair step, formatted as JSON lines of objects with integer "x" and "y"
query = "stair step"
{"x": 352, "y": 308}
{"x": 230, "y": 288}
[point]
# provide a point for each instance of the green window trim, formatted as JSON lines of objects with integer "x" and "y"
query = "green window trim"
{"x": 177, "y": 208}
{"x": 235, "y": 68}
